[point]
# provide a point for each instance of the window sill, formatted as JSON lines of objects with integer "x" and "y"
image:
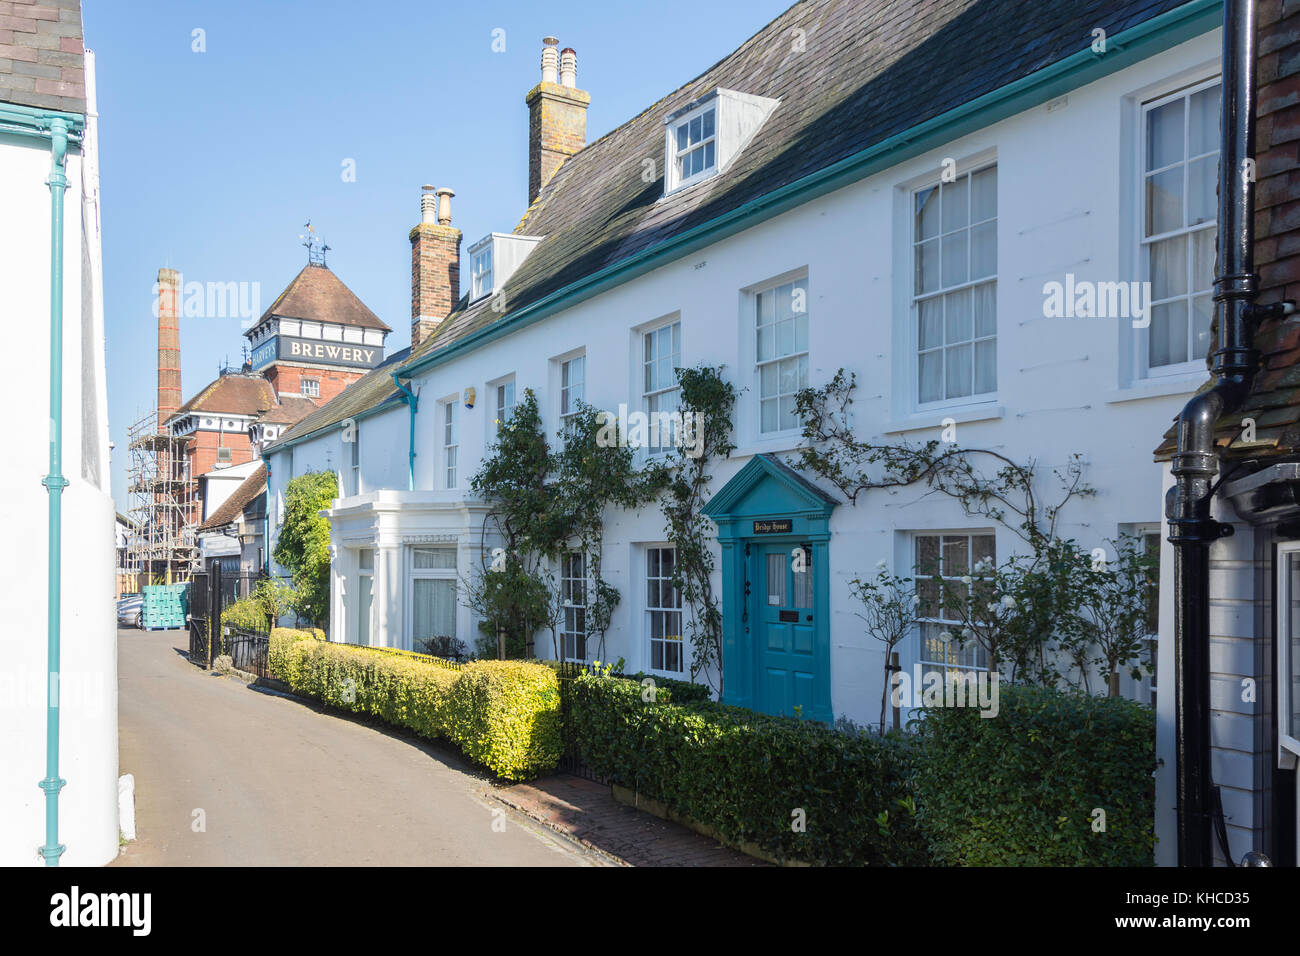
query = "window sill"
{"x": 960, "y": 415}
{"x": 1145, "y": 388}
{"x": 773, "y": 444}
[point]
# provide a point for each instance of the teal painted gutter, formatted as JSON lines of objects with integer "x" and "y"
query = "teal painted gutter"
{"x": 413, "y": 403}
{"x": 54, "y": 484}
{"x": 1123, "y": 50}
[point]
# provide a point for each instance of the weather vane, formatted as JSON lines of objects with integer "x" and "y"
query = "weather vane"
{"x": 316, "y": 247}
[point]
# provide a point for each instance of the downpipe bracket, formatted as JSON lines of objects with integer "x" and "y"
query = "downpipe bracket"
{"x": 1204, "y": 530}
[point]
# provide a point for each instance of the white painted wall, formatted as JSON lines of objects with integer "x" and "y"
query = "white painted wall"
{"x": 88, "y": 746}
{"x": 1065, "y": 386}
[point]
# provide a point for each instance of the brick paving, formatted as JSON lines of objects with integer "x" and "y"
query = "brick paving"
{"x": 587, "y": 812}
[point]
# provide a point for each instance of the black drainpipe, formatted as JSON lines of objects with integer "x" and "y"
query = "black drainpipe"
{"x": 1187, "y": 505}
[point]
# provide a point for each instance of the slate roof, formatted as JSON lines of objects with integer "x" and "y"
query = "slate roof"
{"x": 240, "y": 498}
{"x": 41, "y": 55}
{"x": 868, "y": 70}
{"x": 318, "y": 295}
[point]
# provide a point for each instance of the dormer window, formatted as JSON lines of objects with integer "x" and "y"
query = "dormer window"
{"x": 481, "y": 270}
{"x": 494, "y": 258}
{"x": 704, "y": 137}
{"x": 696, "y": 146}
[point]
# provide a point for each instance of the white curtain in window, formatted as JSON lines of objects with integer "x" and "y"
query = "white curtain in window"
{"x": 435, "y": 609}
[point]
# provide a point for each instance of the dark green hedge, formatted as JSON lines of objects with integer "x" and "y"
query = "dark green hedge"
{"x": 743, "y": 774}
{"x": 1020, "y": 789}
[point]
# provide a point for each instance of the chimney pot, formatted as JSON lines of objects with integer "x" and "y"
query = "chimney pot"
{"x": 444, "y": 206}
{"x": 569, "y": 68}
{"x": 557, "y": 116}
{"x": 550, "y": 59}
{"x": 435, "y": 264}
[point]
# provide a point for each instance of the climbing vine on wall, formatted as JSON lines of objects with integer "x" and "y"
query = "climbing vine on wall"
{"x": 545, "y": 502}
{"x": 1058, "y": 602}
{"x": 707, "y": 402}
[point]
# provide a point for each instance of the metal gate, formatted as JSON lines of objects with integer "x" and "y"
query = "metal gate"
{"x": 211, "y": 592}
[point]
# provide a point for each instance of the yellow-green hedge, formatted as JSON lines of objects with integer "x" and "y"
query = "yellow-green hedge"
{"x": 504, "y": 715}
{"x": 279, "y": 661}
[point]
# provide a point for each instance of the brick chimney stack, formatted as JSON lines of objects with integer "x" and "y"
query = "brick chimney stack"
{"x": 169, "y": 346}
{"x": 435, "y": 264}
{"x": 557, "y": 116}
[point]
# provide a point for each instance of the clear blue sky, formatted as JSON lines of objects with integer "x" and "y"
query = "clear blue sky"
{"x": 212, "y": 162}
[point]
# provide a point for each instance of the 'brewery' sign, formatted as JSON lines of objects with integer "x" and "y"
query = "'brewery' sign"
{"x": 291, "y": 348}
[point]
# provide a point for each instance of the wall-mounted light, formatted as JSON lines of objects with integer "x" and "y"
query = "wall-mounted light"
{"x": 469, "y": 397}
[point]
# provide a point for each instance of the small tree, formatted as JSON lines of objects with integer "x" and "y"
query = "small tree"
{"x": 1116, "y": 598}
{"x": 889, "y": 607}
{"x": 304, "y": 543}
{"x": 508, "y": 598}
{"x": 595, "y": 470}
{"x": 275, "y": 598}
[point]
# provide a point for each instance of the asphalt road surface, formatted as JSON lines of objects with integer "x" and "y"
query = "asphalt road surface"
{"x": 227, "y": 775}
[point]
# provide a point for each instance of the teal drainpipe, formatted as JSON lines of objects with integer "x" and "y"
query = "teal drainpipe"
{"x": 266, "y": 524}
{"x": 54, "y": 484}
{"x": 413, "y": 403}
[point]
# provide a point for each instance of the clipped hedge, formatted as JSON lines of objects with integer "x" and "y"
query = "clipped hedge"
{"x": 504, "y": 715}
{"x": 666, "y": 688}
{"x": 280, "y": 663}
{"x": 1021, "y": 788}
{"x": 744, "y": 775}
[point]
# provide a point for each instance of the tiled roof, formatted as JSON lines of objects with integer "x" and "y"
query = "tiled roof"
{"x": 230, "y": 509}
{"x": 866, "y": 71}
{"x": 291, "y": 408}
{"x": 318, "y": 295}
{"x": 41, "y": 55}
{"x": 237, "y": 394}
{"x": 1274, "y": 400}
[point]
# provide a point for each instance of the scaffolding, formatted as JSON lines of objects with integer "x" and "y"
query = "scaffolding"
{"x": 162, "y": 547}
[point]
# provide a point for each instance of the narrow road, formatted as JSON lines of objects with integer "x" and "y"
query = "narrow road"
{"x": 226, "y": 775}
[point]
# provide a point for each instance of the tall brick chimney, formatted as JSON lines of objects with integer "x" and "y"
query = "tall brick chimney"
{"x": 169, "y": 345}
{"x": 435, "y": 264}
{"x": 557, "y": 116}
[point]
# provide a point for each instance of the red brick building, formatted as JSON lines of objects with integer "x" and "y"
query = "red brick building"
{"x": 315, "y": 340}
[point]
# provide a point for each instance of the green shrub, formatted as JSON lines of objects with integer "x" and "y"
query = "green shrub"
{"x": 283, "y": 665}
{"x": 744, "y": 774}
{"x": 246, "y": 612}
{"x": 679, "y": 691}
{"x": 1020, "y": 788}
{"x": 504, "y": 715}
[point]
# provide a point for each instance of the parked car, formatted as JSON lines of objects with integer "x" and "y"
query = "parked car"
{"x": 130, "y": 610}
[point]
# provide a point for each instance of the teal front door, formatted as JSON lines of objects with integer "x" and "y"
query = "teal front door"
{"x": 787, "y": 660}
{"x": 774, "y": 534}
